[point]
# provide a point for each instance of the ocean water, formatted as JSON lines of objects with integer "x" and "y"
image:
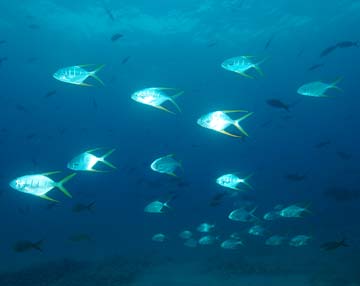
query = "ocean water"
{"x": 305, "y": 156}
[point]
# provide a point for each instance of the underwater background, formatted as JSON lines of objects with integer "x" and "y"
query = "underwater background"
{"x": 306, "y": 154}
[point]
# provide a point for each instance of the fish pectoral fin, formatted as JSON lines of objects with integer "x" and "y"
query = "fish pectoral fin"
{"x": 245, "y": 75}
{"x": 229, "y": 134}
{"x": 83, "y": 84}
{"x": 48, "y": 198}
{"x": 51, "y": 173}
{"x": 163, "y": 108}
{"x": 234, "y": 110}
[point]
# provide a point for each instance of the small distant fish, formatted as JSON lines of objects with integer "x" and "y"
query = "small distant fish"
{"x": 232, "y": 181}
{"x": 322, "y": 144}
{"x": 315, "y": 67}
{"x": 157, "y": 207}
{"x": 34, "y": 26}
{"x": 80, "y": 237}
{"x": 77, "y": 74}
{"x": 211, "y": 44}
{"x": 31, "y": 136}
{"x": 327, "y": 51}
{"x": 125, "y": 60}
{"x": 50, "y": 93}
{"x": 299, "y": 240}
{"x": 3, "y": 59}
{"x": 277, "y": 104}
{"x": 108, "y": 11}
{"x": 332, "y": 245}
{"x": 21, "y": 108}
{"x": 217, "y": 199}
{"x": 257, "y": 230}
{"x": 269, "y": 41}
{"x": 318, "y": 88}
{"x": 26, "y": 245}
{"x": 243, "y": 215}
{"x": 159, "y": 237}
{"x": 300, "y": 53}
{"x": 205, "y": 227}
{"x": 341, "y": 194}
{"x": 79, "y": 207}
{"x": 294, "y": 211}
{"x": 207, "y": 240}
{"x": 220, "y": 120}
{"x": 231, "y": 244}
{"x": 116, "y": 37}
{"x": 295, "y": 177}
{"x": 186, "y": 234}
{"x": 347, "y": 44}
{"x": 190, "y": 243}
{"x": 344, "y": 155}
{"x": 3, "y": 42}
{"x": 275, "y": 240}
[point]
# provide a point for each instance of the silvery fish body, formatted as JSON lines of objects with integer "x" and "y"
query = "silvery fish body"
{"x": 231, "y": 244}
{"x": 156, "y": 207}
{"x": 242, "y": 215}
{"x": 186, "y": 234}
{"x": 292, "y": 211}
{"x": 150, "y": 96}
{"x": 216, "y": 120}
{"x": 238, "y": 64}
{"x": 207, "y": 240}
{"x": 299, "y": 240}
{"x": 37, "y": 185}
{"x": 272, "y": 215}
{"x": 165, "y": 165}
{"x": 275, "y": 240}
{"x": 73, "y": 75}
{"x": 205, "y": 227}
{"x": 159, "y": 237}
{"x": 257, "y": 230}
{"x": 316, "y": 89}
{"x": 191, "y": 243}
{"x": 83, "y": 162}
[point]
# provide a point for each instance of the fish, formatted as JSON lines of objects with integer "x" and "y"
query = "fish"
{"x": 269, "y": 41}
{"x": 192, "y": 243}
{"x": 31, "y": 136}
{"x": 77, "y": 74}
{"x": 219, "y": 121}
{"x": 3, "y": 59}
{"x": 241, "y": 65}
{"x": 232, "y": 181}
{"x": 80, "y": 237}
{"x": 318, "y": 88}
{"x": 50, "y": 93}
{"x": 341, "y": 194}
{"x": 186, "y": 234}
{"x": 347, "y": 44}
{"x": 108, "y": 11}
{"x": 86, "y": 161}
{"x": 272, "y": 215}
{"x": 26, "y": 245}
{"x": 156, "y": 96}
{"x": 217, "y": 199}
{"x": 257, "y": 230}
{"x": 344, "y": 155}
{"x": 332, "y": 245}
{"x": 166, "y": 165}
{"x": 125, "y": 60}
{"x": 295, "y": 177}
{"x": 207, "y": 240}
{"x": 212, "y": 44}
{"x": 243, "y": 215}
{"x": 34, "y": 26}
{"x": 328, "y": 51}
{"x": 79, "y": 207}
{"x": 294, "y": 211}
{"x": 277, "y": 104}
{"x": 40, "y": 184}
{"x": 299, "y": 240}
{"x": 159, "y": 237}
{"x": 205, "y": 227}
{"x": 3, "y": 42}
{"x": 116, "y": 37}
{"x": 231, "y": 244}
{"x": 275, "y": 240}
{"x": 21, "y": 108}
{"x": 322, "y": 144}
{"x": 315, "y": 67}
{"x": 157, "y": 207}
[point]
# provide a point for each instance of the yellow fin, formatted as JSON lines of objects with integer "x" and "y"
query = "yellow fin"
{"x": 163, "y": 108}
{"x": 229, "y": 134}
{"x": 245, "y": 75}
{"x": 48, "y": 198}
{"x": 51, "y": 173}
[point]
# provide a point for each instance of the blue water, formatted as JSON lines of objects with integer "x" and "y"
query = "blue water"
{"x": 181, "y": 44}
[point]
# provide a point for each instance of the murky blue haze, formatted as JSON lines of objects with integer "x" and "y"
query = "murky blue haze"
{"x": 179, "y": 44}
